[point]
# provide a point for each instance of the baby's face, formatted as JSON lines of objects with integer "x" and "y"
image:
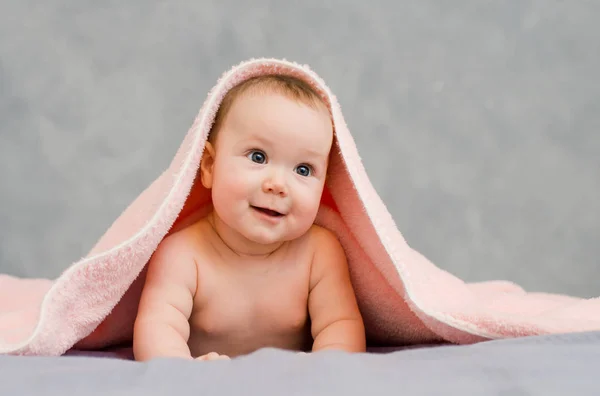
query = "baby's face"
{"x": 271, "y": 159}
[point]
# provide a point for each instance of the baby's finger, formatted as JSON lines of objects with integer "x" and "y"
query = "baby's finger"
{"x": 208, "y": 356}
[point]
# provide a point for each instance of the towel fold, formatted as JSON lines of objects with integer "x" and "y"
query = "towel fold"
{"x": 404, "y": 298}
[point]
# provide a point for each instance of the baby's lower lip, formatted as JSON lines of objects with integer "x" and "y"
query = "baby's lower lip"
{"x": 268, "y": 212}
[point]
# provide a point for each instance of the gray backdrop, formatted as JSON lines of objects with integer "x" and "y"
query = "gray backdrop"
{"x": 477, "y": 121}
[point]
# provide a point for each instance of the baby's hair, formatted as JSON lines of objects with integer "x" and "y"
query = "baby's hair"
{"x": 289, "y": 86}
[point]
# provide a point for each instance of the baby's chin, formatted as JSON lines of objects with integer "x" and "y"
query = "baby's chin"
{"x": 277, "y": 237}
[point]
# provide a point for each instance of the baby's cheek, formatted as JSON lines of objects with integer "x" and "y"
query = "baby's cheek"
{"x": 230, "y": 180}
{"x": 230, "y": 190}
{"x": 223, "y": 195}
{"x": 308, "y": 204}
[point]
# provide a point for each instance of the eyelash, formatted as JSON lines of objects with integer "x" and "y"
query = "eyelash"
{"x": 253, "y": 151}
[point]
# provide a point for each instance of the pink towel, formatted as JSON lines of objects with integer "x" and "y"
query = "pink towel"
{"x": 404, "y": 298}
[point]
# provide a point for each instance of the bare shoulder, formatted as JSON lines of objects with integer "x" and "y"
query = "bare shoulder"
{"x": 328, "y": 251}
{"x": 176, "y": 244}
{"x": 175, "y": 259}
{"x": 324, "y": 240}
{"x": 187, "y": 241}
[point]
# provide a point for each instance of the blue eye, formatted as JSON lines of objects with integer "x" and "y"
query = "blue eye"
{"x": 303, "y": 170}
{"x": 257, "y": 156}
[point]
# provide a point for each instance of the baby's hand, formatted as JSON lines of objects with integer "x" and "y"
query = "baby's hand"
{"x": 212, "y": 356}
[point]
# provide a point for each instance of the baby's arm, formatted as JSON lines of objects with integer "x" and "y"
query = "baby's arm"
{"x": 336, "y": 319}
{"x": 161, "y": 327}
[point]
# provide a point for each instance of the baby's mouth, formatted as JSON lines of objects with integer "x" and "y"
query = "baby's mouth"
{"x": 266, "y": 211}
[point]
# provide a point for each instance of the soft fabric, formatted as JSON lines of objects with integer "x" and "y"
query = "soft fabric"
{"x": 545, "y": 366}
{"x": 404, "y": 298}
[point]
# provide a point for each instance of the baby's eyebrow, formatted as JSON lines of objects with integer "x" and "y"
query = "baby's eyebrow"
{"x": 315, "y": 154}
{"x": 258, "y": 138}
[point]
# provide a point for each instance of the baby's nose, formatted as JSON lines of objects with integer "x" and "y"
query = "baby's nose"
{"x": 275, "y": 184}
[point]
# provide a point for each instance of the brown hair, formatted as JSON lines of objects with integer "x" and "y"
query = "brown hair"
{"x": 289, "y": 86}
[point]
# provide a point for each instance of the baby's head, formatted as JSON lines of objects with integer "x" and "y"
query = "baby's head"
{"x": 266, "y": 158}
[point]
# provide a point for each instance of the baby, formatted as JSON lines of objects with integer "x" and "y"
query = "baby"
{"x": 255, "y": 272}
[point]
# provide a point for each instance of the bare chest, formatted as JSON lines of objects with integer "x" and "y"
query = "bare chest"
{"x": 261, "y": 306}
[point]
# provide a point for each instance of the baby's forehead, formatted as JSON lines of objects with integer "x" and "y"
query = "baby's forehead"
{"x": 263, "y": 111}
{"x": 259, "y": 92}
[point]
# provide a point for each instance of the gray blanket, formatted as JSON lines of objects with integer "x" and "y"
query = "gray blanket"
{"x": 550, "y": 365}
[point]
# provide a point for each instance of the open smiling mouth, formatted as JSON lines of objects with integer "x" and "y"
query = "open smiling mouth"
{"x": 268, "y": 212}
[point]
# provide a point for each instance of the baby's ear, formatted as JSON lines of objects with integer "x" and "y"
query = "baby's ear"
{"x": 207, "y": 165}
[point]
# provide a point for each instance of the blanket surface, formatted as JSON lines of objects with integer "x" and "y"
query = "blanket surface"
{"x": 552, "y": 365}
{"x": 404, "y": 298}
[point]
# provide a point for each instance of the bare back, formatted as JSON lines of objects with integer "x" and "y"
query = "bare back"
{"x": 244, "y": 304}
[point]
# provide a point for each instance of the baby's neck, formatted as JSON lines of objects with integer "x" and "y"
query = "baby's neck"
{"x": 234, "y": 243}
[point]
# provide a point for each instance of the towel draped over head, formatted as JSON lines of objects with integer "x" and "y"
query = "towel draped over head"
{"x": 403, "y": 297}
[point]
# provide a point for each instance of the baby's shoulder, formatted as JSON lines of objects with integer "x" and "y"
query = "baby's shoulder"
{"x": 173, "y": 259}
{"x": 186, "y": 240}
{"x": 322, "y": 238}
{"x": 328, "y": 253}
